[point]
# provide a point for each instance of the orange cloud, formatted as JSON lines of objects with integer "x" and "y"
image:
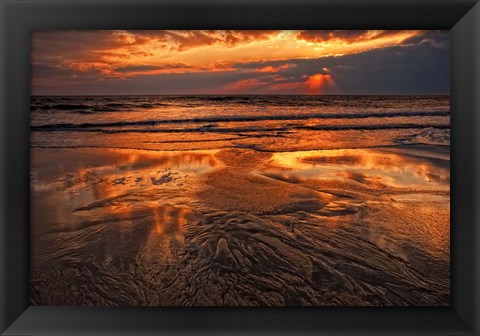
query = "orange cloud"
{"x": 271, "y": 68}
{"x": 349, "y": 36}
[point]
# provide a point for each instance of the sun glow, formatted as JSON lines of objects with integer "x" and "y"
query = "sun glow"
{"x": 318, "y": 82}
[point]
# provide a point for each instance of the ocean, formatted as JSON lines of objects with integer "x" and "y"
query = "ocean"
{"x": 237, "y": 121}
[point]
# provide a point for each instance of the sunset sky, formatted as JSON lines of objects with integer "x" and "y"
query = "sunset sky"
{"x": 240, "y": 62}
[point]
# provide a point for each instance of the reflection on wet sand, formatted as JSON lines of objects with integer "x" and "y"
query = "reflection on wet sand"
{"x": 241, "y": 227}
{"x": 369, "y": 166}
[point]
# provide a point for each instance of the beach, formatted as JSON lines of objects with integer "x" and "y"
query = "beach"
{"x": 249, "y": 201}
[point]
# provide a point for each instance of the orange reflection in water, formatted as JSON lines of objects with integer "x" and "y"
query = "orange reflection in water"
{"x": 167, "y": 234}
{"x": 403, "y": 194}
{"x": 88, "y": 185}
{"x": 171, "y": 219}
{"x": 406, "y": 170}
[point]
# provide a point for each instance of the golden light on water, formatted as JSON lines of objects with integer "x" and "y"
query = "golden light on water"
{"x": 389, "y": 168}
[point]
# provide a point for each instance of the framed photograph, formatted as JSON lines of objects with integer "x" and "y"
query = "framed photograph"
{"x": 228, "y": 167}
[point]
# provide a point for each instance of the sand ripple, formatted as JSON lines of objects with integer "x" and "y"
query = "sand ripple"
{"x": 251, "y": 232}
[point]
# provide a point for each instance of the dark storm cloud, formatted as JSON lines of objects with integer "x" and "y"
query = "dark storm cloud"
{"x": 132, "y": 68}
{"x": 435, "y": 37}
{"x": 416, "y": 69}
{"x": 139, "y": 68}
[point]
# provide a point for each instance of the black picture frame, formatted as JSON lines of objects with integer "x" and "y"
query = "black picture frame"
{"x": 19, "y": 17}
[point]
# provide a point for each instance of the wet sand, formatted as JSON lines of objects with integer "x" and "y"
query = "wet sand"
{"x": 238, "y": 226}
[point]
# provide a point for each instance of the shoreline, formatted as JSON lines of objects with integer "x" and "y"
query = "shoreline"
{"x": 295, "y": 228}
